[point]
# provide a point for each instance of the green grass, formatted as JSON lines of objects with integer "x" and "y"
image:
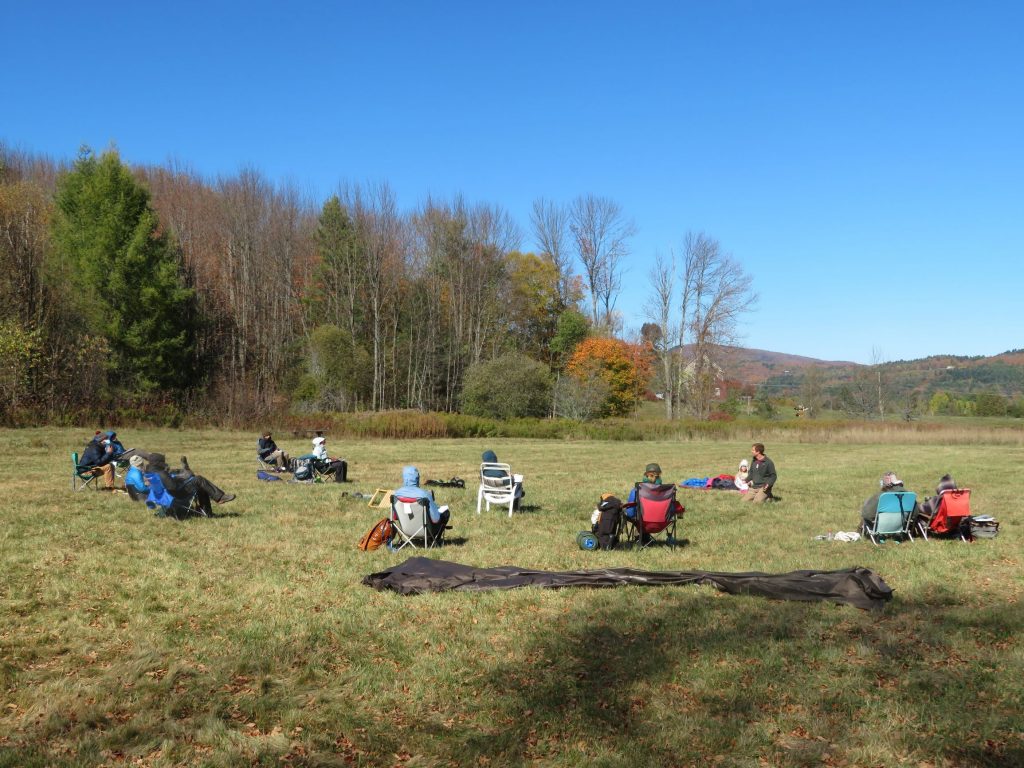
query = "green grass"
{"x": 248, "y": 640}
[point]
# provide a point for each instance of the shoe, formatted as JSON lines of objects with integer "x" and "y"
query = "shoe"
{"x": 184, "y": 464}
{"x": 226, "y": 498}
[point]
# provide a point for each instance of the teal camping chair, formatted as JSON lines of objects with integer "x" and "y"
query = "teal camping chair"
{"x": 893, "y": 517}
{"x": 81, "y": 476}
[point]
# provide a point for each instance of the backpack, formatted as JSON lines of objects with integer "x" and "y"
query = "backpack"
{"x": 608, "y": 524}
{"x": 303, "y": 470}
{"x": 379, "y": 534}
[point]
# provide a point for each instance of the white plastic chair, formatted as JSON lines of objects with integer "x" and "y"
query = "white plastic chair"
{"x": 500, "y": 490}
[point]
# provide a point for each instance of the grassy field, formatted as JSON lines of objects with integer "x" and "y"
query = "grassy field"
{"x": 126, "y": 639}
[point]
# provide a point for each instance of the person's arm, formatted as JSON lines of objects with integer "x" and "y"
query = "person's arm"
{"x": 769, "y": 473}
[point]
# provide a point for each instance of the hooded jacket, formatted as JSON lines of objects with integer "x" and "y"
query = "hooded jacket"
{"x": 411, "y": 490}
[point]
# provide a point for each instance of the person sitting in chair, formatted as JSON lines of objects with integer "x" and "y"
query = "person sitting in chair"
{"x": 98, "y": 457}
{"x": 327, "y": 465}
{"x": 437, "y": 517}
{"x": 930, "y": 506}
{"x": 134, "y": 482}
{"x": 490, "y": 457}
{"x": 889, "y": 483}
{"x": 180, "y": 483}
{"x": 269, "y": 453}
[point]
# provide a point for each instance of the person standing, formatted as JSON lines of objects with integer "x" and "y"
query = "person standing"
{"x": 762, "y": 476}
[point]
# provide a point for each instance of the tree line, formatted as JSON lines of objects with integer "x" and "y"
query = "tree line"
{"x": 155, "y": 292}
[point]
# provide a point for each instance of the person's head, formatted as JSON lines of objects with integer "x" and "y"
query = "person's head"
{"x": 652, "y": 473}
{"x": 111, "y": 435}
{"x": 318, "y": 441}
{"x": 137, "y": 461}
{"x": 411, "y": 476}
{"x": 266, "y": 435}
{"x": 157, "y": 462}
{"x": 744, "y": 465}
{"x": 889, "y": 479}
{"x": 947, "y": 483}
{"x": 757, "y": 450}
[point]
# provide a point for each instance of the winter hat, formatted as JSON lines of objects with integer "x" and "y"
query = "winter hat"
{"x": 137, "y": 461}
{"x": 652, "y": 469}
{"x": 889, "y": 479}
{"x": 744, "y": 463}
{"x": 319, "y": 440}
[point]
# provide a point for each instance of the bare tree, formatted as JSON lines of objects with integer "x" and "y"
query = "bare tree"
{"x": 715, "y": 293}
{"x": 551, "y": 230}
{"x": 663, "y": 281}
{"x": 601, "y": 232}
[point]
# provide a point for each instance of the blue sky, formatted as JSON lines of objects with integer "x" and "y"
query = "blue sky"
{"x": 863, "y": 161}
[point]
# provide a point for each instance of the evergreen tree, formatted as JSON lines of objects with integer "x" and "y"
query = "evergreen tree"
{"x": 126, "y": 272}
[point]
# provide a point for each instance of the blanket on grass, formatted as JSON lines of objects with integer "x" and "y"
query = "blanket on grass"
{"x": 855, "y": 586}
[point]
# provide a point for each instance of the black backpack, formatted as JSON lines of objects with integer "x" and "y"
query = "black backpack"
{"x": 608, "y": 524}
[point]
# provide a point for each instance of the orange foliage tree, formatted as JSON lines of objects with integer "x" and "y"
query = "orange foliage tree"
{"x": 624, "y": 367}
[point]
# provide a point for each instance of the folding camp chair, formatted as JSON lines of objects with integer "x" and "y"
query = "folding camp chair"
{"x": 894, "y": 516}
{"x": 173, "y": 506}
{"x": 950, "y": 518}
{"x": 498, "y": 486}
{"x": 80, "y": 474}
{"x": 654, "y": 511}
{"x": 410, "y": 523}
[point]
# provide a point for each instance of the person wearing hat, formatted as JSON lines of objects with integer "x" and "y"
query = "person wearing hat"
{"x": 98, "y": 457}
{"x": 889, "y": 483}
{"x": 134, "y": 482}
{"x": 742, "y": 476}
{"x": 269, "y": 453}
{"x": 181, "y": 483}
{"x": 652, "y": 474}
{"x": 327, "y": 465}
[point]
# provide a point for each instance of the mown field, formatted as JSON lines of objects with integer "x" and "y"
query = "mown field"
{"x": 248, "y": 639}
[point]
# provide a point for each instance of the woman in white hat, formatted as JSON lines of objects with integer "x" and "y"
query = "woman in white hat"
{"x": 742, "y": 474}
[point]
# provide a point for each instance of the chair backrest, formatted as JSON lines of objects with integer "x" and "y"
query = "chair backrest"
{"x": 158, "y": 494}
{"x": 410, "y": 515}
{"x": 74, "y": 461}
{"x": 495, "y": 477}
{"x": 954, "y": 506}
{"x": 655, "y": 504}
{"x": 892, "y": 514}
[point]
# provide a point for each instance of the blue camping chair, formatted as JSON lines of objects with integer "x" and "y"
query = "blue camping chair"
{"x": 81, "y": 476}
{"x": 161, "y": 499}
{"x": 893, "y": 517}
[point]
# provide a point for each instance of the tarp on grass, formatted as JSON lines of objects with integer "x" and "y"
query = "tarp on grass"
{"x": 859, "y": 587}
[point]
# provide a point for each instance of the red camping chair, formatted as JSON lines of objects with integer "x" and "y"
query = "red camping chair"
{"x": 950, "y": 519}
{"x": 654, "y": 511}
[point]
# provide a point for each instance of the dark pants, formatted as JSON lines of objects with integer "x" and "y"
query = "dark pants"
{"x": 436, "y": 530}
{"x": 205, "y": 490}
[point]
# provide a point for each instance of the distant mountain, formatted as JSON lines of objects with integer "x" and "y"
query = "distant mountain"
{"x": 951, "y": 373}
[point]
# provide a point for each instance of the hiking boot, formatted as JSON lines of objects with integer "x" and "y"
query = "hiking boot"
{"x": 226, "y": 498}
{"x": 184, "y": 464}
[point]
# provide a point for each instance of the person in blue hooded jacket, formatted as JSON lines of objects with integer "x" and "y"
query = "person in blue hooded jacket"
{"x": 411, "y": 490}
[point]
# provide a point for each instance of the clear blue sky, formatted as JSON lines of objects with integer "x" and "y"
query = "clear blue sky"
{"x": 864, "y": 161}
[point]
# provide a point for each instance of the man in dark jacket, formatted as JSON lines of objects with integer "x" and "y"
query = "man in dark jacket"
{"x": 762, "y": 476}
{"x": 182, "y": 482}
{"x": 99, "y": 457}
{"x": 269, "y": 453}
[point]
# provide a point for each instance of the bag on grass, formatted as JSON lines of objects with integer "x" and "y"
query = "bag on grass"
{"x": 376, "y": 536}
{"x": 303, "y": 471}
{"x": 983, "y": 527}
{"x": 262, "y": 475}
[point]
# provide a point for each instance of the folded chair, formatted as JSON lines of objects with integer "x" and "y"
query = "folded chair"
{"x": 410, "y": 523}
{"x": 498, "y": 486}
{"x": 81, "y": 476}
{"x": 894, "y": 516}
{"x": 950, "y": 518}
{"x": 654, "y": 511}
{"x": 173, "y": 506}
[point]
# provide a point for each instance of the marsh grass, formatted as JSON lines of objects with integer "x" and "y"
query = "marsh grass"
{"x": 248, "y": 640}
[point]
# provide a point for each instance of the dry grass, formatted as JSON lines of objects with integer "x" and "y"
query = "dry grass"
{"x": 248, "y": 640}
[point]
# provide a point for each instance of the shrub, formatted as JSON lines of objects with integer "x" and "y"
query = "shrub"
{"x": 507, "y": 387}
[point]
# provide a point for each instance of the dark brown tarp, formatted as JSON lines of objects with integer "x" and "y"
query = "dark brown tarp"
{"x": 859, "y": 587}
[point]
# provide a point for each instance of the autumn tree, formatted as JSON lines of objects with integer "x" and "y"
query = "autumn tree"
{"x": 624, "y": 367}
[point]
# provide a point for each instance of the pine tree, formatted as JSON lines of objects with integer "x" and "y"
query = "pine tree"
{"x": 127, "y": 274}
